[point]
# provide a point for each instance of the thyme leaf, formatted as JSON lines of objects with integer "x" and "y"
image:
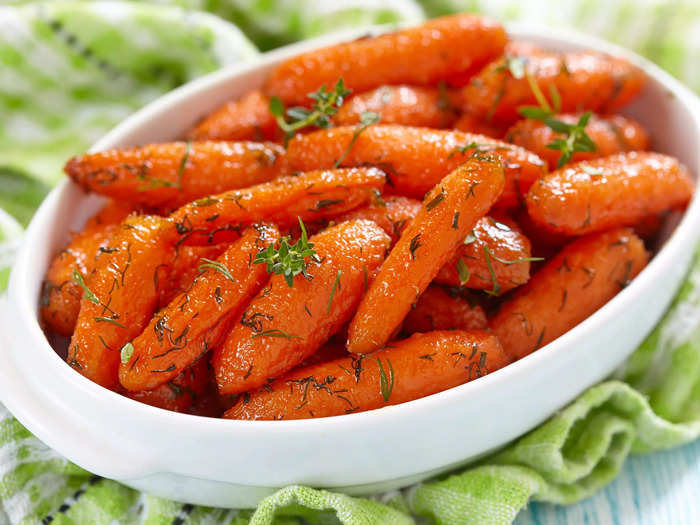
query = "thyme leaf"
{"x": 462, "y": 271}
{"x": 275, "y": 333}
{"x": 336, "y": 285}
{"x": 217, "y": 266}
{"x": 386, "y": 384}
{"x": 126, "y": 352}
{"x": 87, "y": 293}
{"x": 367, "y": 118}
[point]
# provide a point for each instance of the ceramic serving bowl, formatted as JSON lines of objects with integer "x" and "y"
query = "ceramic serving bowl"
{"x": 236, "y": 463}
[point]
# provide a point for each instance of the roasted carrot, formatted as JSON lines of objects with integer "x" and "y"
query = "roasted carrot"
{"x": 583, "y": 81}
{"x": 225, "y": 286}
{"x": 570, "y": 287}
{"x": 313, "y": 195}
{"x": 480, "y": 126}
{"x": 494, "y": 256}
{"x": 416, "y": 367}
{"x": 405, "y": 105}
{"x": 392, "y": 214}
{"x": 284, "y": 325}
{"x": 172, "y": 174}
{"x": 60, "y": 294}
{"x": 420, "y": 56}
{"x": 613, "y": 134}
{"x": 247, "y": 118}
{"x": 612, "y": 191}
{"x": 414, "y": 159}
{"x": 450, "y": 211}
{"x": 437, "y": 309}
{"x": 119, "y": 297}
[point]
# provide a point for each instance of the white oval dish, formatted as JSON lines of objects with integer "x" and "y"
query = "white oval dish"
{"x": 236, "y": 463}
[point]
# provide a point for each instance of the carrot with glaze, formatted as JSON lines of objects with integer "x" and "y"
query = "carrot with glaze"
{"x": 416, "y": 367}
{"x": 392, "y": 214}
{"x": 414, "y": 159}
{"x": 422, "y": 55}
{"x": 494, "y": 256}
{"x": 119, "y": 297}
{"x": 60, "y": 294}
{"x": 604, "y": 193}
{"x": 284, "y": 325}
{"x": 480, "y": 126}
{"x": 614, "y": 134}
{"x": 169, "y": 175}
{"x": 223, "y": 288}
{"x": 309, "y": 196}
{"x": 584, "y": 276}
{"x": 438, "y": 309}
{"x": 449, "y": 212}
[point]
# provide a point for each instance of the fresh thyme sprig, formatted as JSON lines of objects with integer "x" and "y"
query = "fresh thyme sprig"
{"x": 326, "y": 104}
{"x": 289, "y": 260}
{"x": 367, "y": 118}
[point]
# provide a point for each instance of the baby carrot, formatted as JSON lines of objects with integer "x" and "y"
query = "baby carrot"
{"x": 438, "y": 309}
{"x": 450, "y": 211}
{"x": 494, "y": 256}
{"x": 612, "y": 191}
{"x": 60, "y": 294}
{"x": 420, "y": 56}
{"x": 225, "y": 286}
{"x": 414, "y": 159}
{"x": 480, "y": 126}
{"x": 247, "y": 118}
{"x": 118, "y": 298}
{"x": 570, "y": 287}
{"x": 392, "y": 214}
{"x": 309, "y": 196}
{"x": 613, "y": 134}
{"x": 170, "y": 175}
{"x": 284, "y": 325}
{"x": 405, "y": 105}
{"x": 416, "y": 367}
{"x": 582, "y": 80}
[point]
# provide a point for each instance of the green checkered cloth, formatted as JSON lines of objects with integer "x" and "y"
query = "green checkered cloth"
{"x": 70, "y": 71}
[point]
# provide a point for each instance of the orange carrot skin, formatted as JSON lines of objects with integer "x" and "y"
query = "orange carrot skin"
{"x": 414, "y": 159}
{"x": 247, "y": 118}
{"x": 416, "y": 367}
{"x": 310, "y": 196}
{"x": 392, "y": 214}
{"x": 480, "y": 126}
{"x": 613, "y": 134}
{"x": 584, "y": 80}
{"x": 124, "y": 286}
{"x": 613, "y": 191}
{"x": 163, "y": 351}
{"x": 405, "y": 105}
{"x": 60, "y": 295}
{"x": 584, "y": 276}
{"x": 419, "y": 56}
{"x": 449, "y": 212}
{"x": 165, "y": 176}
{"x": 439, "y": 310}
{"x": 284, "y": 325}
{"x": 503, "y": 240}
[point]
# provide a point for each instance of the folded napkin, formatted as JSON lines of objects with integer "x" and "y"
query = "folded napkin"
{"x": 71, "y": 70}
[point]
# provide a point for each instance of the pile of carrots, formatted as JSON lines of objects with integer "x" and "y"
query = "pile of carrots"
{"x": 383, "y": 220}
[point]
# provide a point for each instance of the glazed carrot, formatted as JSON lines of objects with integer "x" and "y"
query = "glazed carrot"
{"x": 120, "y": 297}
{"x": 392, "y": 214}
{"x": 422, "y": 55}
{"x": 449, "y": 213}
{"x": 613, "y": 134}
{"x": 179, "y": 394}
{"x": 604, "y": 193}
{"x": 225, "y": 287}
{"x": 247, "y": 118}
{"x": 284, "y": 325}
{"x": 60, "y": 295}
{"x": 439, "y": 310}
{"x": 494, "y": 256}
{"x": 578, "y": 281}
{"x": 583, "y": 80}
{"x": 416, "y": 367}
{"x": 169, "y": 175}
{"x": 414, "y": 159}
{"x": 310, "y": 196}
{"x": 480, "y": 126}
{"x": 405, "y": 105}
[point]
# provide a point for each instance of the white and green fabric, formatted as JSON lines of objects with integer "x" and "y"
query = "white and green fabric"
{"x": 70, "y": 70}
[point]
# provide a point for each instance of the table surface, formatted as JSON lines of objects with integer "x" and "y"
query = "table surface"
{"x": 661, "y": 488}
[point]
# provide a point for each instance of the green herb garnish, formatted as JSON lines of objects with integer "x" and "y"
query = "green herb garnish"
{"x": 385, "y": 383}
{"x": 87, "y": 293}
{"x": 336, "y": 285}
{"x": 367, "y": 118}
{"x": 126, "y": 352}
{"x": 463, "y": 271}
{"x": 275, "y": 333}
{"x": 217, "y": 266}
